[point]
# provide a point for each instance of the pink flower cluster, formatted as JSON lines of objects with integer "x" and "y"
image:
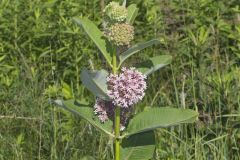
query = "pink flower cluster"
{"x": 105, "y": 110}
{"x": 127, "y": 88}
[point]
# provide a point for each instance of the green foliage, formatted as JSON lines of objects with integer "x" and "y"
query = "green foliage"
{"x": 42, "y": 46}
{"x": 95, "y": 81}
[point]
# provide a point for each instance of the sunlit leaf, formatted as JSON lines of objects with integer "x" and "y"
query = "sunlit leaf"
{"x": 160, "y": 118}
{"x": 96, "y": 35}
{"x": 132, "y": 13}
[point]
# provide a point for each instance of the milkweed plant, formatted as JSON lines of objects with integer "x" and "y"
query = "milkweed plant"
{"x": 119, "y": 90}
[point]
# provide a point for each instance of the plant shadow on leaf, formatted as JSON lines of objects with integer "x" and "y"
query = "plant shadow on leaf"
{"x": 138, "y": 147}
{"x": 108, "y": 45}
{"x": 143, "y": 139}
{"x": 79, "y": 103}
{"x": 147, "y": 64}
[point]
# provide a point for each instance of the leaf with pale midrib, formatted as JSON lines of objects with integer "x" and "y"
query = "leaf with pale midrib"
{"x": 97, "y": 36}
{"x": 159, "y": 118}
{"x": 132, "y": 13}
{"x": 87, "y": 113}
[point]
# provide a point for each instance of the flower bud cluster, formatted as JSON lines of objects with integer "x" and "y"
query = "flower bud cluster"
{"x": 115, "y": 13}
{"x": 128, "y": 87}
{"x": 120, "y": 34}
{"x": 116, "y": 30}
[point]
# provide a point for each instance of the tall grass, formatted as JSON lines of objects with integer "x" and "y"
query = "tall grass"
{"x": 42, "y": 53}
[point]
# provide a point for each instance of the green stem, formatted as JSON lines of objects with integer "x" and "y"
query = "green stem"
{"x": 117, "y": 115}
{"x": 117, "y": 133}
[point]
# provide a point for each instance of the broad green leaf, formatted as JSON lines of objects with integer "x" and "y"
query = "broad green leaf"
{"x": 153, "y": 64}
{"x": 136, "y": 48}
{"x": 132, "y": 13}
{"x": 95, "y": 81}
{"x": 87, "y": 113}
{"x": 159, "y": 118}
{"x": 138, "y": 147}
{"x": 97, "y": 36}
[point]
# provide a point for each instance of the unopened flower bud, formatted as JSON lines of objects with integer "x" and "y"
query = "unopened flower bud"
{"x": 115, "y": 13}
{"x": 120, "y": 34}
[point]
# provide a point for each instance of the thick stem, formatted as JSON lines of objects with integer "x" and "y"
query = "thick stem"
{"x": 117, "y": 115}
{"x": 117, "y": 133}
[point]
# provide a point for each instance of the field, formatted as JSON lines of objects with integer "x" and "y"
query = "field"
{"x": 42, "y": 52}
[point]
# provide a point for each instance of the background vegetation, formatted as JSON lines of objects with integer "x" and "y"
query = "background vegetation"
{"x": 42, "y": 52}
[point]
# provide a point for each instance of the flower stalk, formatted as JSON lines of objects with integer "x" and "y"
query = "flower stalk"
{"x": 117, "y": 114}
{"x": 117, "y": 133}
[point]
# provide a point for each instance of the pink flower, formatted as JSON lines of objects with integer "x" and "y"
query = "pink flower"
{"x": 127, "y": 88}
{"x": 105, "y": 110}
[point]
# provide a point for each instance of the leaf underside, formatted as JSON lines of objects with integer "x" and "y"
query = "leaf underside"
{"x": 153, "y": 64}
{"x": 159, "y": 118}
{"x": 95, "y": 81}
